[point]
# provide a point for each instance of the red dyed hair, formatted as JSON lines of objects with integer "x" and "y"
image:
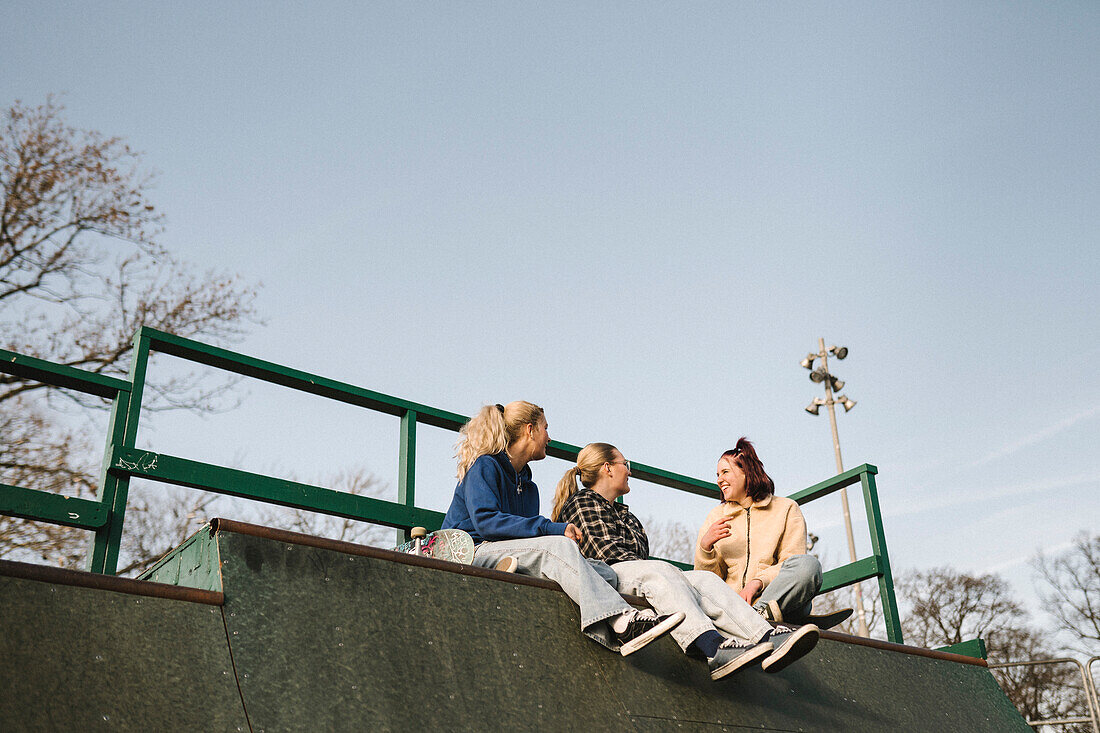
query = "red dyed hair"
{"x": 758, "y": 484}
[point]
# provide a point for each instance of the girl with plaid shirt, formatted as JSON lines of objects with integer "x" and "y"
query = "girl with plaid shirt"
{"x": 613, "y": 534}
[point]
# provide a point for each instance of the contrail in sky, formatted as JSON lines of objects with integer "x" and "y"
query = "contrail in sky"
{"x": 1036, "y": 437}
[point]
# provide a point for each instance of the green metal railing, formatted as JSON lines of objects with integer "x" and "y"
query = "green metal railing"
{"x": 104, "y": 516}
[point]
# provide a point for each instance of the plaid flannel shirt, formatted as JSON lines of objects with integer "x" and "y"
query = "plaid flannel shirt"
{"x": 611, "y": 532}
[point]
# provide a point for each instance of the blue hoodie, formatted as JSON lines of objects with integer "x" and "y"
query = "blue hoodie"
{"x": 493, "y": 502}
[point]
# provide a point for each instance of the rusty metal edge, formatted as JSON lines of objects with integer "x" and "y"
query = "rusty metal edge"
{"x": 61, "y": 576}
{"x": 350, "y": 548}
{"x": 890, "y": 646}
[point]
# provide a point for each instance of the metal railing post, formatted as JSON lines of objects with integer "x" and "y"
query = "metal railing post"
{"x": 115, "y": 488}
{"x": 406, "y": 473}
{"x": 890, "y": 617}
{"x": 1092, "y": 686}
{"x": 1090, "y": 704}
{"x": 109, "y": 487}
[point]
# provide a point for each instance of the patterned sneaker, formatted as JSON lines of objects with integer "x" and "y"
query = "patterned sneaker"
{"x": 791, "y": 644}
{"x": 769, "y": 610}
{"x": 643, "y": 629}
{"x": 734, "y": 654}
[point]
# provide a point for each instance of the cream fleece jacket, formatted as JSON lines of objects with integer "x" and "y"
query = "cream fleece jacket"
{"x": 761, "y": 538}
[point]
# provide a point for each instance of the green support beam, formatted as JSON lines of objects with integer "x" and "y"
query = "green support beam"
{"x": 195, "y": 475}
{"x": 890, "y": 616}
{"x": 315, "y": 384}
{"x": 864, "y": 569}
{"x": 674, "y": 480}
{"x": 406, "y": 471}
{"x": 828, "y": 486}
{"x": 302, "y": 381}
{"x": 59, "y": 375}
{"x": 44, "y": 506}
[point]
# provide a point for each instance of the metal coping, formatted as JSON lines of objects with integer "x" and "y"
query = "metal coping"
{"x": 62, "y": 576}
{"x": 890, "y": 646}
{"x": 350, "y": 548}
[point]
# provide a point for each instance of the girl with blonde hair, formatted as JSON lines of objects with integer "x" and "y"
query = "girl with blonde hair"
{"x": 498, "y": 504}
{"x": 613, "y": 534}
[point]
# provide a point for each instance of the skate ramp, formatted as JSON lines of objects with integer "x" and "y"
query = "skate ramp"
{"x": 80, "y": 651}
{"x": 320, "y": 635}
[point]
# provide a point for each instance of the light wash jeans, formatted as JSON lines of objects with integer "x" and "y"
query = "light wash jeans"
{"x": 793, "y": 590}
{"x": 707, "y": 602}
{"x": 590, "y": 583}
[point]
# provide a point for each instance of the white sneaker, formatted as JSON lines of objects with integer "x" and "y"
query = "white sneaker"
{"x": 643, "y": 629}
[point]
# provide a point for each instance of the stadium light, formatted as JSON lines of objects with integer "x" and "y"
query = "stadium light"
{"x": 821, "y": 375}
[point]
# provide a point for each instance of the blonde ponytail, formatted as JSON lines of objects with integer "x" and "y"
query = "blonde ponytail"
{"x": 589, "y": 462}
{"x": 566, "y": 488}
{"x": 492, "y": 430}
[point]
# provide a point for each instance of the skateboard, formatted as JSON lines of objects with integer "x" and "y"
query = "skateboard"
{"x": 443, "y": 544}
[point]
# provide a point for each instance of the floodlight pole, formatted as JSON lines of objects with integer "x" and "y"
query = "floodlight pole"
{"x": 830, "y": 403}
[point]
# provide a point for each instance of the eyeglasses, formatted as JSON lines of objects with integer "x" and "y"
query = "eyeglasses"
{"x": 623, "y": 463}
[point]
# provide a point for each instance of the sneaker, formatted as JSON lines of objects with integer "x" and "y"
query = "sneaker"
{"x": 643, "y": 629}
{"x": 734, "y": 654}
{"x": 828, "y": 620}
{"x": 507, "y": 564}
{"x": 791, "y": 644}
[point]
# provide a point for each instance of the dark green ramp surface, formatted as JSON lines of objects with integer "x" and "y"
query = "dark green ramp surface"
{"x": 326, "y": 639}
{"x": 320, "y": 635}
{"x": 77, "y": 658}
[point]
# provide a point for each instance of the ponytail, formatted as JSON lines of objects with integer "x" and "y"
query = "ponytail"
{"x": 566, "y": 488}
{"x": 589, "y": 462}
{"x": 758, "y": 484}
{"x": 492, "y": 430}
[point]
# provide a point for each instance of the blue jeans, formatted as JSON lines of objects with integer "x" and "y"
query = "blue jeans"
{"x": 590, "y": 583}
{"x": 707, "y": 602}
{"x": 793, "y": 590}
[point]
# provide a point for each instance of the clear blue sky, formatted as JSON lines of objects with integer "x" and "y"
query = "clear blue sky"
{"x": 641, "y": 216}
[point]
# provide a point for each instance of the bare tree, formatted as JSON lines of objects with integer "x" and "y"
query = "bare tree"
{"x": 80, "y": 268}
{"x": 37, "y": 454}
{"x": 949, "y": 607}
{"x": 1072, "y": 595}
{"x": 80, "y": 272}
{"x": 846, "y": 598}
{"x": 670, "y": 540}
{"x": 356, "y": 481}
{"x": 1039, "y": 692}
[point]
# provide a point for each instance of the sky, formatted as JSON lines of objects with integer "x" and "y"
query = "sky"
{"x": 642, "y": 217}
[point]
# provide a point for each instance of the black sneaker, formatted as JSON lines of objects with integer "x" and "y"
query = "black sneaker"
{"x": 791, "y": 644}
{"x": 827, "y": 620}
{"x": 733, "y": 655}
{"x": 644, "y": 629}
